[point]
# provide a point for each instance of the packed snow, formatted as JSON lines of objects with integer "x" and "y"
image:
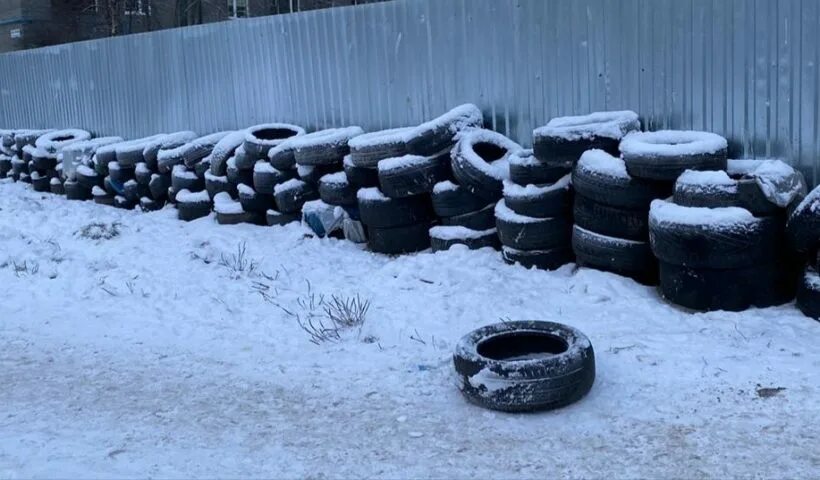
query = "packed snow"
{"x": 186, "y": 196}
{"x": 526, "y": 191}
{"x": 131, "y": 349}
{"x": 672, "y": 143}
{"x": 716, "y": 178}
{"x": 291, "y": 184}
{"x": 223, "y": 203}
{"x": 401, "y": 163}
{"x": 612, "y": 125}
{"x": 664, "y": 212}
{"x": 445, "y": 186}
{"x": 457, "y": 232}
{"x": 600, "y": 162}
{"x": 392, "y": 136}
{"x": 336, "y": 178}
{"x": 371, "y": 194}
{"x": 245, "y": 190}
{"x": 504, "y": 213}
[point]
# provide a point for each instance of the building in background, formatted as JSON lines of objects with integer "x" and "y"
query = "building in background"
{"x": 36, "y": 23}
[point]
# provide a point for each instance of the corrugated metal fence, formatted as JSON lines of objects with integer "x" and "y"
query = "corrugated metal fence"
{"x": 747, "y": 69}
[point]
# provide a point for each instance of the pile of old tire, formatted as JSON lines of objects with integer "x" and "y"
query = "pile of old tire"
{"x": 395, "y": 225}
{"x": 611, "y": 212}
{"x": 19, "y": 147}
{"x": 722, "y": 244}
{"x": 804, "y": 235}
{"x": 524, "y": 366}
{"x": 113, "y": 166}
{"x": 534, "y": 219}
{"x": 79, "y": 157}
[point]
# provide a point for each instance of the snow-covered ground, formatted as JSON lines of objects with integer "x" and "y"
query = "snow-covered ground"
{"x": 140, "y": 355}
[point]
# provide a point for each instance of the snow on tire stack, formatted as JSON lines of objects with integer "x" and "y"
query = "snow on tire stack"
{"x": 804, "y": 234}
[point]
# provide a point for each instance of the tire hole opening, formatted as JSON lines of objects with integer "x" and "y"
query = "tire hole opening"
{"x": 274, "y": 133}
{"x": 62, "y": 138}
{"x": 489, "y": 152}
{"x": 522, "y": 346}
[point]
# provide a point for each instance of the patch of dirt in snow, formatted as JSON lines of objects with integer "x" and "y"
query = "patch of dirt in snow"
{"x": 162, "y": 353}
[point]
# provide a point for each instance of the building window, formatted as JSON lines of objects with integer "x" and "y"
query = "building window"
{"x": 138, "y": 7}
{"x": 238, "y": 8}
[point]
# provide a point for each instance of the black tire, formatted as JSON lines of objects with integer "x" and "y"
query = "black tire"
{"x": 479, "y": 162}
{"x": 40, "y": 183}
{"x": 325, "y": 147}
{"x": 101, "y": 197}
{"x": 201, "y": 168}
{"x": 243, "y": 160}
{"x": 130, "y": 154}
{"x": 196, "y": 150}
{"x": 265, "y": 177}
{"x": 88, "y": 178}
{"x": 440, "y": 133}
{"x": 564, "y": 139}
{"x": 183, "y": 178}
{"x": 398, "y": 240}
{"x": 378, "y": 211}
{"x": 524, "y": 366}
{"x": 360, "y": 177}
{"x": 159, "y": 185}
{"x": 215, "y": 185}
{"x": 282, "y": 156}
{"x": 223, "y": 150}
{"x": 444, "y": 237}
{"x": 18, "y": 166}
{"x": 123, "y": 203}
{"x": 313, "y": 173}
{"x": 803, "y": 225}
{"x": 171, "y": 141}
{"x": 707, "y": 289}
{"x": 43, "y": 163}
{"x": 101, "y": 167}
{"x": 611, "y": 221}
{"x": 171, "y": 196}
{"x": 57, "y": 187}
{"x": 808, "y": 294}
{"x": 412, "y": 175}
{"x": 142, "y": 174}
{"x": 603, "y": 178}
{"x": 191, "y": 206}
{"x": 716, "y": 189}
{"x": 102, "y": 157}
{"x": 529, "y": 233}
{"x": 451, "y": 200}
{"x": 25, "y": 178}
{"x": 335, "y": 189}
{"x": 253, "y": 201}
{"x": 368, "y": 149}
{"x": 150, "y": 205}
{"x": 120, "y": 174}
{"x": 259, "y": 139}
{"x": 132, "y": 191}
{"x": 664, "y": 155}
{"x": 274, "y": 217}
{"x": 540, "y": 201}
{"x": 292, "y": 195}
{"x": 628, "y": 258}
{"x": 525, "y": 169}
{"x": 231, "y": 218}
{"x": 741, "y": 242}
{"x": 479, "y": 220}
{"x": 540, "y": 259}
{"x": 237, "y": 176}
{"x": 5, "y": 166}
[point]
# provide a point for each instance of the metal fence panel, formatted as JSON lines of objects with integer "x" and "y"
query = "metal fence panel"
{"x": 747, "y": 69}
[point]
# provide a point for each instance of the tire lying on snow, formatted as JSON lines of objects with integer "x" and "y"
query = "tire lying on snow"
{"x": 529, "y": 233}
{"x": 192, "y": 205}
{"x": 808, "y": 294}
{"x": 228, "y": 211}
{"x": 628, "y": 258}
{"x": 524, "y": 366}
{"x": 368, "y": 149}
{"x": 480, "y": 162}
{"x": 803, "y": 225}
{"x": 665, "y": 154}
{"x": 380, "y": 211}
{"x": 259, "y": 139}
{"x": 540, "y": 259}
{"x": 604, "y": 179}
{"x": 444, "y": 237}
{"x": 399, "y": 239}
{"x": 440, "y": 133}
{"x": 410, "y": 175}
{"x": 729, "y": 237}
{"x": 540, "y": 201}
{"x": 563, "y": 139}
{"x": 525, "y": 169}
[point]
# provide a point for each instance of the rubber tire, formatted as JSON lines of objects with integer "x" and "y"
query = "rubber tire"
{"x": 803, "y": 225}
{"x": 623, "y": 257}
{"x": 188, "y": 211}
{"x": 552, "y": 203}
{"x": 488, "y": 240}
{"x": 292, "y": 200}
{"x": 88, "y": 182}
{"x": 611, "y": 221}
{"x": 143, "y": 177}
{"x": 540, "y": 259}
{"x": 159, "y": 185}
{"x": 123, "y": 203}
{"x": 215, "y": 187}
{"x": 415, "y": 179}
{"x": 475, "y": 180}
{"x": 121, "y": 175}
{"x": 340, "y": 194}
{"x": 361, "y": 177}
{"x": 319, "y": 171}
{"x": 535, "y": 172}
{"x": 631, "y": 193}
{"x": 42, "y": 164}
{"x": 151, "y": 205}
{"x": 231, "y": 218}
{"x": 524, "y": 386}
{"x": 256, "y": 203}
{"x": 244, "y": 160}
{"x": 435, "y": 136}
{"x": 41, "y": 184}
{"x": 668, "y": 169}
{"x": 57, "y": 189}
{"x": 396, "y": 212}
{"x": 483, "y": 219}
{"x": 561, "y": 152}
{"x": 398, "y": 240}
{"x": 183, "y": 183}
{"x": 727, "y": 247}
{"x": 273, "y": 217}
{"x": 747, "y": 195}
{"x": 808, "y": 296}
{"x": 238, "y": 176}
{"x": 540, "y": 234}
{"x": 264, "y": 182}
{"x": 455, "y": 202}
{"x": 257, "y": 149}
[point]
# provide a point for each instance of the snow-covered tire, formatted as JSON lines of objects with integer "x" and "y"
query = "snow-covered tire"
{"x": 727, "y": 237}
{"x": 611, "y": 221}
{"x": 412, "y": 174}
{"x": 273, "y": 217}
{"x": 292, "y": 195}
{"x": 132, "y": 191}
{"x": 808, "y": 293}
{"x": 223, "y": 150}
{"x": 603, "y": 178}
{"x": 444, "y": 237}
{"x": 183, "y": 178}
{"x": 524, "y": 366}
{"x": 313, "y": 173}
{"x": 53, "y": 142}
{"x": 665, "y": 154}
{"x": 265, "y": 177}
{"x": 191, "y": 206}
{"x": 379, "y": 211}
{"x": 171, "y": 196}
{"x": 540, "y": 201}
{"x": 440, "y": 133}
{"x": 368, "y": 149}
{"x": 159, "y": 185}
{"x": 5, "y": 166}
{"x": 25, "y": 177}
{"x": 57, "y": 187}
{"x": 325, "y": 147}
{"x": 480, "y": 162}
{"x": 563, "y": 139}
{"x": 483, "y": 219}
{"x": 142, "y": 174}
{"x": 253, "y": 201}
{"x": 123, "y": 203}
{"x": 399, "y": 239}
{"x": 231, "y": 218}
{"x": 215, "y": 185}
{"x": 40, "y": 183}
{"x": 150, "y": 151}
{"x": 529, "y": 233}
{"x": 243, "y": 160}
{"x": 88, "y": 178}
{"x": 525, "y": 169}
{"x": 44, "y": 162}
{"x": 282, "y": 156}
{"x": 803, "y": 225}
{"x": 705, "y": 289}
{"x": 335, "y": 189}
{"x": 236, "y": 175}
{"x": 451, "y": 200}
{"x": 259, "y": 139}
{"x": 540, "y": 259}
{"x": 119, "y": 173}
{"x": 628, "y": 258}
{"x": 360, "y": 177}
{"x": 713, "y": 189}
{"x": 129, "y": 154}
{"x": 151, "y": 205}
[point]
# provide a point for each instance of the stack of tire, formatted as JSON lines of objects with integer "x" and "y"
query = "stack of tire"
{"x": 804, "y": 234}
{"x": 44, "y": 157}
{"x": 6, "y": 152}
{"x": 23, "y": 165}
{"x": 152, "y": 185}
{"x": 79, "y": 155}
{"x": 108, "y": 174}
{"x": 721, "y": 244}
